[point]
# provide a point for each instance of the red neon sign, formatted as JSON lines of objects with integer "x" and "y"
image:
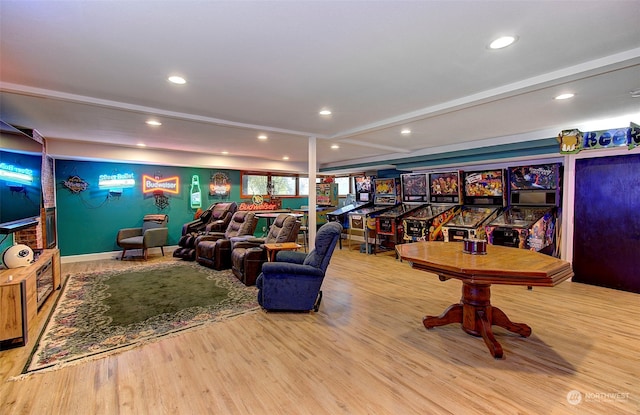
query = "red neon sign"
{"x": 169, "y": 185}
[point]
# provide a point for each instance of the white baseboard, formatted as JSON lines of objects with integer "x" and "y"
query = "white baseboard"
{"x": 168, "y": 250}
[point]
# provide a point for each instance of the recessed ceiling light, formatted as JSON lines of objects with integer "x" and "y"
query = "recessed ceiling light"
{"x": 177, "y": 80}
{"x": 335, "y": 146}
{"x": 153, "y": 122}
{"x": 325, "y": 112}
{"x": 224, "y": 153}
{"x": 502, "y": 42}
{"x": 405, "y": 131}
{"x": 141, "y": 145}
{"x": 564, "y": 96}
{"x": 262, "y": 137}
{"x": 285, "y": 157}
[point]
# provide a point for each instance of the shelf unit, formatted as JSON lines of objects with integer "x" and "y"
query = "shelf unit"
{"x": 19, "y": 302}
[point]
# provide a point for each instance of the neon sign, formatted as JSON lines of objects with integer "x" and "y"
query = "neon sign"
{"x": 220, "y": 185}
{"x": 258, "y": 203}
{"x": 116, "y": 181}
{"x": 75, "y": 184}
{"x": 13, "y": 174}
{"x": 169, "y": 185}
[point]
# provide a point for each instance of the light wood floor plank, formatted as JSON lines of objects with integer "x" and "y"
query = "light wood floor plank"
{"x": 365, "y": 352}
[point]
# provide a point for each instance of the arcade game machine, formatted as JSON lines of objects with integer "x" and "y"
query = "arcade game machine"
{"x": 389, "y": 224}
{"x": 326, "y": 201}
{"x": 425, "y": 223}
{"x": 530, "y": 220}
{"x": 483, "y": 201}
{"x": 362, "y": 219}
{"x": 363, "y": 198}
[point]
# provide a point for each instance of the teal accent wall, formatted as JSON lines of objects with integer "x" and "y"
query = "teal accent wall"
{"x": 88, "y": 222}
{"x": 8, "y": 242}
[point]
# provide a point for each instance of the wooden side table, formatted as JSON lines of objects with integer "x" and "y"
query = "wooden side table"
{"x": 272, "y": 249}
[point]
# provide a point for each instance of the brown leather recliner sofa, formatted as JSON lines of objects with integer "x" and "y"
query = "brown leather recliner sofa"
{"x": 213, "y": 249}
{"x": 215, "y": 219}
{"x": 248, "y": 256}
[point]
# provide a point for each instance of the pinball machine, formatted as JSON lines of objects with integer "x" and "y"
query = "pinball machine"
{"x": 363, "y": 198}
{"x": 425, "y": 223}
{"x": 386, "y": 194}
{"x": 483, "y": 197}
{"x": 529, "y": 222}
{"x": 326, "y": 201}
{"x": 389, "y": 224}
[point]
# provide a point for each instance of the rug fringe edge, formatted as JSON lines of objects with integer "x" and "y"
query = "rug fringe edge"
{"x": 108, "y": 353}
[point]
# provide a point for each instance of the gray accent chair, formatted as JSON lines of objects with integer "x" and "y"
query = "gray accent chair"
{"x": 152, "y": 234}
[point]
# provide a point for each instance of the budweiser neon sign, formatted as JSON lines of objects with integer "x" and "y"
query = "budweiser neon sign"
{"x": 169, "y": 185}
{"x": 261, "y": 206}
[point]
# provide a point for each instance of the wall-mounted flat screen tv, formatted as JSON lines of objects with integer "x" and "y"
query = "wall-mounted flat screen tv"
{"x": 20, "y": 181}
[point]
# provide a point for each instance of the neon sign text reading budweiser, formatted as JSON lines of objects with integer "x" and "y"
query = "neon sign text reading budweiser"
{"x": 169, "y": 185}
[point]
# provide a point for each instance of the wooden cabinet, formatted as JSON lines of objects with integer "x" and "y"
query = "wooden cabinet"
{"x": 13, "y": 311}
{"x": 19, "y": 291}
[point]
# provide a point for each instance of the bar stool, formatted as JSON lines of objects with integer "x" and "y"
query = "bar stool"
{"x": 304, "y": 228}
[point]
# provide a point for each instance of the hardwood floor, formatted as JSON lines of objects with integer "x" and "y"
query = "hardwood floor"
{"x": 365, "y": 352}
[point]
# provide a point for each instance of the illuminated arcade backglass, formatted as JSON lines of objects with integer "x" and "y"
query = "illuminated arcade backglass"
{"x": 483, "y": 200}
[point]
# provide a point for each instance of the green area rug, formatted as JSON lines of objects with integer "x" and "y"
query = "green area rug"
{"x": 115, "y": 310}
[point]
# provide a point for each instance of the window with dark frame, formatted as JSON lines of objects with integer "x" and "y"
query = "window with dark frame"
{"x": 283, "y": 185}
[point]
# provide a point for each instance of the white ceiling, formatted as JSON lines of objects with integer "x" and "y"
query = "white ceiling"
{"x": 87, "y": 74}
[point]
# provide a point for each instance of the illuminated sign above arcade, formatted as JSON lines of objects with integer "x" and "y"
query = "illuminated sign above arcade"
{"x": 169, "y": 185}
{"x": 574, "y": 141}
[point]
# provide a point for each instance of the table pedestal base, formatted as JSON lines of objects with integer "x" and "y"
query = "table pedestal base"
{"x": 477, "y": 315}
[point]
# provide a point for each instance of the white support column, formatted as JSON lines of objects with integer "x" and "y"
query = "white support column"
{"x": 568, "y": 204}
{"x": 312, "y": 193}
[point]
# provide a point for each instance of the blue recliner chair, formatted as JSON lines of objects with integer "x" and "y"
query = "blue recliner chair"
{"x": 293, "y": 281}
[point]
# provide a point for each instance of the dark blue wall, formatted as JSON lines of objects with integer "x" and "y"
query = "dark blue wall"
{"x": 606, "y": 243}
